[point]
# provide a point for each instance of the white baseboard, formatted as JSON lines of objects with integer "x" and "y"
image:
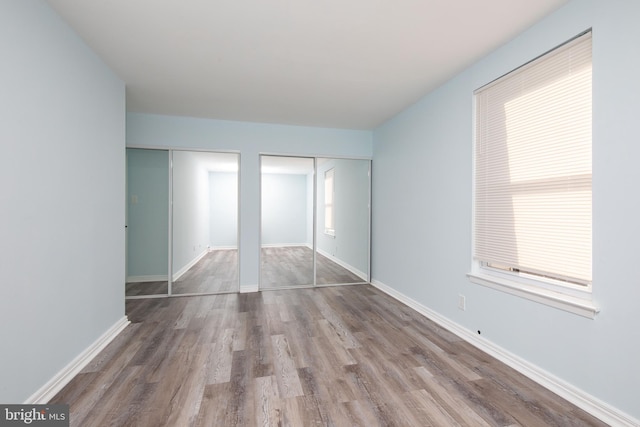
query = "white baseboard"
{"x": 343, "y": 264}
{"x": 221, "y": 248}
{"x": 245, "y": 289}
{"x": 142, "y": 279}
{"x": 571, "y": 393}
{"x": 191, "y": 263}
{"x": 62, "y": 378}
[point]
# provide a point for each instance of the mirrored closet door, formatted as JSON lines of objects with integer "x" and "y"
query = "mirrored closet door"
{"x": 315, "y": 221}
{"x": 286, "y": 253}
{"x": 147, "y": 219}
{"x": 205, "y": 228}
{"x": 182, "y": 222}
{"x": 342, "y": 221}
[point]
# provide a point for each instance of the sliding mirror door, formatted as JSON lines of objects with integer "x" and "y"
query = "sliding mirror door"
{"x": 204, "y": 222}
{"x": 342, "y": 221}
{"x": 286, "y": 222}
{"x": 147, "y": 221}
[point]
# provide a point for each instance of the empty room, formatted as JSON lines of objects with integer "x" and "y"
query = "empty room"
{"x": 332, "y": 213}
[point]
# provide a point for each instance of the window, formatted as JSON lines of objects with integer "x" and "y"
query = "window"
{"x": 329, "y": 224}
{"x": 532, "y": 219}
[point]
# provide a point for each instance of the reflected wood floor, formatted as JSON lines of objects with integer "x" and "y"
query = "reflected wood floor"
{"x": 136, "y": 289}
{"x": 332, "y": 356}
{"x": 293, "y": 266}
{"x": 216, "y": 272}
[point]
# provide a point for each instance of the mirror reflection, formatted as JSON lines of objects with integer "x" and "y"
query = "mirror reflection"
{"x": 342, "y": 221}
{"x": 147, "y": 219}
{"x": 341, "y": 206}
{"x": 204, "y": 222}
{"x": 287, "y": 222}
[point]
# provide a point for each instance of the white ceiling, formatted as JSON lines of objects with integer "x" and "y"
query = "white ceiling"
{"x": 329, "y": 63}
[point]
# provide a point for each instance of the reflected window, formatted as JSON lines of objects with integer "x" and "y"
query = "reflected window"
{"x": 329, "y": 191}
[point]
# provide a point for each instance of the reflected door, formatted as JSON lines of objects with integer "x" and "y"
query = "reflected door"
{"x": 286, "y": 222}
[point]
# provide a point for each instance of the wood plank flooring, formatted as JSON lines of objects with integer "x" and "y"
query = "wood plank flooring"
{"x": 331, "y": 356}
{"x": 293, "y": 266}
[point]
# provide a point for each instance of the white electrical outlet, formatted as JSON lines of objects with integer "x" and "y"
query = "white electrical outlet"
{"x": 462, "y": 304}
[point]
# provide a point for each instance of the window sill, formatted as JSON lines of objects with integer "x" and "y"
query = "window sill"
{"x": 573, "y": 304}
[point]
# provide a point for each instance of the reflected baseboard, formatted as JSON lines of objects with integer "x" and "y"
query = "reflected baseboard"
{"x": 190, "y": 264}
{"x": 141, "y": 279}
{"x": 343, "y": 264}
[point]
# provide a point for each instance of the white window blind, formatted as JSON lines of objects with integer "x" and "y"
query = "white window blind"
{"x": 329, "y": 226}
{"x": 533, "y": 167}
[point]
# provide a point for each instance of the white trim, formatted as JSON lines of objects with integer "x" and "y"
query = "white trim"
{"x": 343, "y": 264}
{"x": 186, "y": 268}
{"x": 245, "y": 289}
{"x": 142, "y": 279}
{"x": 314, "y": 156}
{"x": 571, "y": 393}
{"x": 62, "y": 378}
{"x": 573, "y": 304}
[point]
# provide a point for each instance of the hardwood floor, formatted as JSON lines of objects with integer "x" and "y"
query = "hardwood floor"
{"x": 293, "y": 266}
{"x": 331, "y": 356}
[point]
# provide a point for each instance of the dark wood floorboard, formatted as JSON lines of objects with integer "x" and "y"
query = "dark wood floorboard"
{"x": 330, "y": 356}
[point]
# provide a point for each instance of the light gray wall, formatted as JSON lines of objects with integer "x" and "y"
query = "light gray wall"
{"x": 249, "y": 139}
{"x": 422, "y": 209}
{"x": 63, "y": 192}
{"x": 351, "y": 212}
{"x": 223, "y": 212}
{"x": 147, "y": 212}
{"x": 190, "y": 209}
{"x": 284, "y": 210}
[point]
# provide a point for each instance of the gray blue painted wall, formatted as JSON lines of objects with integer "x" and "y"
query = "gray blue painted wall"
{"x": 422, "y": 209}
{"x": 63, "y": 197}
